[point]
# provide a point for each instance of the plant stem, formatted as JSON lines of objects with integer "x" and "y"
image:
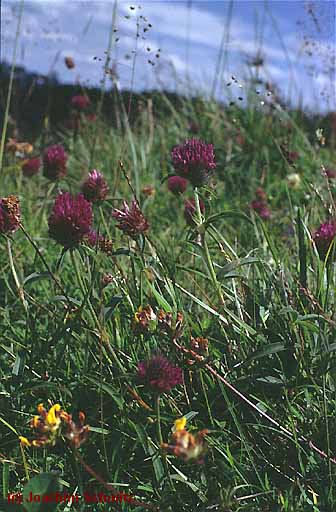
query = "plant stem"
{"x": 160, "y": 440}
{"x": 205, "y": 247}
{"x": 158, "y": 420}
{"x": 15, "y": 276}
{"x": 59, "y": 285}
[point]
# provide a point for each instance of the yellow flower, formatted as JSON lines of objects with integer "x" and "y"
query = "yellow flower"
{"x": 137, "y": 314}
{"x": 184, "y": 444}
{"x": 35, "y": 421}
{"x": 40, "y": 408}
{"x": 180, "y": 423}
{"x": 52, "y": 419}
{"x": 24, "y": 441}
{"x": 48, "y": 426}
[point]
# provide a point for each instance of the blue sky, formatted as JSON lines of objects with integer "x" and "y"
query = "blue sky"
{"x": 187, "y": 36}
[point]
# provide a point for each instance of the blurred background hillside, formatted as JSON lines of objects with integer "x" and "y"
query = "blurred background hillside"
{"x": 182, "y": 46}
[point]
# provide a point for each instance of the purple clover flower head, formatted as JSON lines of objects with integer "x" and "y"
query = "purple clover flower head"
{"x": 80, "y": 102}
{"x": 177, "y": 184}
{"x": 265, "y": 213}
{"x": 10, "y": 214}
{"x": 292, "y": 156}
{"x": 159, "y": 374}
{"x": 193, "y": 160}
{"x": 190, "y": 210}
{"x": 95, "y": 187}
{"x": 70, "y": 220}
{"x": 261, "y": 208}
{"x": 323, "y": 238}
{"x": 54, "y": 162}
{"x": 31, "y": 167}
{"x": 98, "y": 241}
{"x": 131, "y": 219}
{"x": 330, "y": 173}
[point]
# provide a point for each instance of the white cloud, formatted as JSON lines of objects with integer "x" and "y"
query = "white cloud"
{"x": 57, "y": 23}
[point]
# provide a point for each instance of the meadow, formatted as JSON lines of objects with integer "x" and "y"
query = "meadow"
{"x": 167, "y": 307}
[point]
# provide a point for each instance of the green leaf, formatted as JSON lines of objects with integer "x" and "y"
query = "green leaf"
{"x": 273, "y": 348}
{"x": 41, "y": 486}
{"x": 239, "y": 324}
{"x": 227, "y": 214}
{"x": 5, "y": 479}
{"x": 99, "y": 430}
{"x": 62, "y": 298}
{"x": 310, "y": 326}
{"x": 121, "y": 252}
{"x": 36, "y": 276}
{"x": 113, "y": 303}
{"x": 224, "y": 271}
{"x": 190, "y": 415}
{"x": 302, "y": 251}
{"x": 192, "y": 486}
{"x": 331, "y": 348}
{"x": 161, "y": 300}
{"x": 19, "y": 363}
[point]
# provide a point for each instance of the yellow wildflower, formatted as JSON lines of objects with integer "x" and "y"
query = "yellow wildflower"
{"x": 180, "y": 423}
{"x": 53, "y": 419}
{"x": 24, "y": 441}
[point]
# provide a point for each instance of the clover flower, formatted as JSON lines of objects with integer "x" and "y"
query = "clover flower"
{"x": 20, "y": 149}
{"x": 259, "y": 205}
{"x": 330, "y": 173}
{"x": 96, "y": 240}
{"x": 291, "y": 156}
{"x": 131, "y": 219}
{"x": 177, "y": 184}
{"x": 49, "y": 425}
{"x": 80, "y": 102}
{"x": 323, "y": 238}
{"x": 148, "y": 191}
{"x": 185, "y": 445}
{"x": 95, "y": 187}
{"x": 106, "y": 279}
{"x": 190, "y": 210}
{"x": 75, "y": 433}
{"x": 10, "y": 214}
{"x": 193, "y": 160}
{"x": 144, "y": 320}
{"x": 261, "y": 208}
{"x": 159, "y": 374}
{"x": 31, "y": 167}
{"x": 200, "y": 346}
{"x": 173, "y": 327}
{"x": 261, "y": 194}
{"x": 54, "y": 162}
{"x": 70, "y": 220}
{"x": 92, "y": 117}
